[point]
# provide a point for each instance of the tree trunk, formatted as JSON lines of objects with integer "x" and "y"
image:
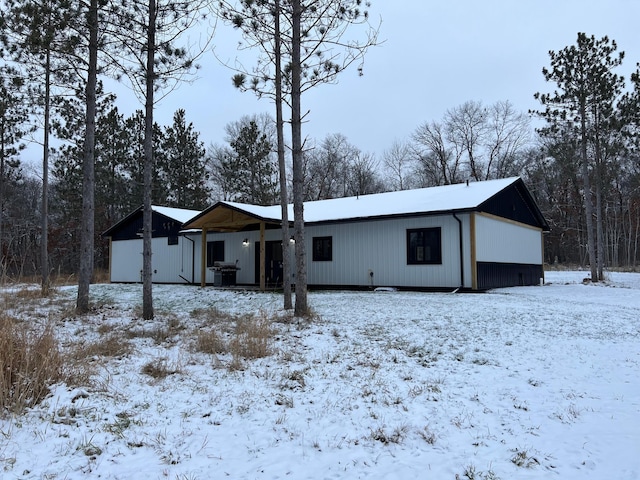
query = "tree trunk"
{"x": 588, "y": 202}
{"x": 44, "y": 239}
{"x": 600, "y": 250}
{"x": 631, "y": 251}
{"x": 3, "y": 262}
{"x": 147, "y": 213}
{"x": 599, "y": 175}
{"x": 88, "y": 167}
{"x": 636, "y": 238}
{"x": 284, "y": 198}
{"x": 301, "y": 306}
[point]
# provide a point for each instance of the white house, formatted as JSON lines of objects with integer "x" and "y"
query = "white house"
{"x": 473, "y": 236}
{"x": 172, "y": 252}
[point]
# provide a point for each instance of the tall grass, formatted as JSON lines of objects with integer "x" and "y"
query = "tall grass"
{"x": 243, "y": 337}
{"x": 56, "y": 278}
{"x": 253, "y": 338}
{"x": 30, "y": 361}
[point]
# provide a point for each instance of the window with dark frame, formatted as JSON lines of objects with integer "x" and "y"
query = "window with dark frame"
{"x": 322, "y": 249}
{"x": 172, "y": 240}
{"x": 424, "y": 246}
{"x": 215, "y": 252}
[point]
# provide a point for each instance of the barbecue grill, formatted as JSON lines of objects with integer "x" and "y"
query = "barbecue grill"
{"x": 224, "y": 273}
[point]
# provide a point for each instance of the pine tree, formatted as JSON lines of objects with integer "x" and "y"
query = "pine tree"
{"x": 181, "y": 165}
{"x": 112, "y": 141}
{"x": 14, "y": 116}
{"x": 133, "y": 162}
{"x": 310, "y": 43}
{"x": 37, "y": 37}
{"x": 583, "y": 105}
{"x": 249, "y": 168}
{"x": 153, "y": 62}
{"x": 87, "y": 241}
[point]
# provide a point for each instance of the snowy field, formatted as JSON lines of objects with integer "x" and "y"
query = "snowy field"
{"x": 518, "y": 383}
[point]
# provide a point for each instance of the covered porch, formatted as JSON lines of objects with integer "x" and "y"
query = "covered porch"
{"x": 228, "y": 217}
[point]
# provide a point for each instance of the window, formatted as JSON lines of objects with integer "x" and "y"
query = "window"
{"x": 215, "y": 252}
{"x": 172, "y": 240}
{"x": 424, "y": 246}
{"x": 322, "y": 251}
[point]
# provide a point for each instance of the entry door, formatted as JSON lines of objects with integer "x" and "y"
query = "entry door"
{"x": 273, "y": 263}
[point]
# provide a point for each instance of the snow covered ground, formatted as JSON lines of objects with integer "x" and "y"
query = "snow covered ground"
{"x": 528, "y": 382}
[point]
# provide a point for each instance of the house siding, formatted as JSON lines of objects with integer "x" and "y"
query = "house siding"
{"x": 502, "y": 241}
{"x": 497, "y": 275}
{"x": 161, "y": 226}
{"x": 169, "y": 263}
{"x": 514, "y": 204}
{"x": 507, "y": 253}
{"x": 126, "y": 260}
{"x": 360, "y": 248}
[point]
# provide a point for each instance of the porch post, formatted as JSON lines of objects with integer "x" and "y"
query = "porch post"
{"x": 474, "y": 263}
{"x": 262, "y": 259}
{"x": 203, "y": 258}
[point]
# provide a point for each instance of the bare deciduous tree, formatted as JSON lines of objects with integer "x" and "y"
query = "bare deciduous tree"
{"x": 14, "y": 115}
{"x": 397, "y": 163}
{"x": 472, "y": 142}
{"x": 438, "y": 161}
{"x": 466, "y": 128}
{"x": 336, "y": 168}
{"x": 508, "y": 135}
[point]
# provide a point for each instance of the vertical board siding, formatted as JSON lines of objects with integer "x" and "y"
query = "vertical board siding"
{"x": 380, "y": 247}
{"x": 358, "y": 248}
{"x": 168, "y": 262}
{"x": 465, "y": 219}
{"x": 507, "y": 242}
{"x": 497, "y": 275}
{"x": 126, "y": 263}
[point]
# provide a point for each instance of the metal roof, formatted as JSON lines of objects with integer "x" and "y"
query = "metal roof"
{"x": 233, "y": 216}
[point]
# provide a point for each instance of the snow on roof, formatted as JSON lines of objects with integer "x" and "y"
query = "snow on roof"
{"x": 455, "y": 197}
{"x": 179, "y": 214}
{"x": 423, "y": 200}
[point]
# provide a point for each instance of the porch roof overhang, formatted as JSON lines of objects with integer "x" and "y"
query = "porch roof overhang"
{"x": 226, "y": 217}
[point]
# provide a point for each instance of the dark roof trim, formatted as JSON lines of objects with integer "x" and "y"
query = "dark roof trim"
{"x": 109, "y": 231}
{"x": 528, "y": 200}
{"x": 391, "y": 217}
{"x": 129, "y": 217}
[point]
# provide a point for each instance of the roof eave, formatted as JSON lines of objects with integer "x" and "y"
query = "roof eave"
{"x": 194, "y": 224}
{"x": 429, "y": 213}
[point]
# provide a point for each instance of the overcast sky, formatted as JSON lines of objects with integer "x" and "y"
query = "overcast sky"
{"x": 436, "y": 55}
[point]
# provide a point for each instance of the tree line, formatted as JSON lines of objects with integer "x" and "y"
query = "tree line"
{"x": 245, "y": 169}
{"x": 581, "y": 165}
